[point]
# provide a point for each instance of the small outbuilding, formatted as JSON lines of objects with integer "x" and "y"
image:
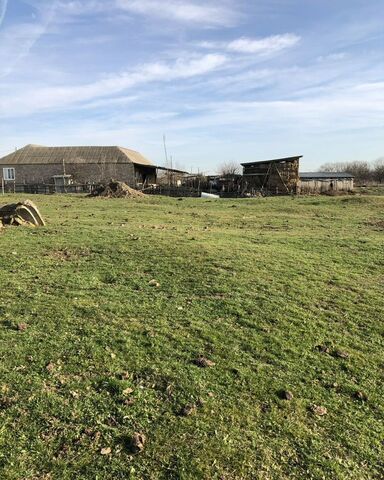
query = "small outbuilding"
{"x": 325, "y": 182}
{"x": 277, "y": 176}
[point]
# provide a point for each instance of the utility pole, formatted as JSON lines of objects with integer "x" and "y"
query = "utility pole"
{"x": 165, "y": 150}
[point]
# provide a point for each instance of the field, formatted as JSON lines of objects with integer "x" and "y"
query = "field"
{"x": 104, "y": 312}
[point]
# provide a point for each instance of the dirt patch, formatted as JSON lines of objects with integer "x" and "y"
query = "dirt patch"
{"x": 136, "y": 443}
{"x": 377, "y": 225}
{"x": 203, "y": 362}
{"x": 115, "y": 189}
{"x": 65, "y": 254}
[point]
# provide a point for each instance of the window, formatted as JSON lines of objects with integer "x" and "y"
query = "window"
{"x": 9, "y": 173}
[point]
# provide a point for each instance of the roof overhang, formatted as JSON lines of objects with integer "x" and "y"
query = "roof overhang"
{"x": 171, "y": 170}
{"x": 275, "y": 160}
{"x": 325, "y": 175}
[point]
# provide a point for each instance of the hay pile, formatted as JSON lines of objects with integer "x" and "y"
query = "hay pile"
{"x": 115, "y": 189}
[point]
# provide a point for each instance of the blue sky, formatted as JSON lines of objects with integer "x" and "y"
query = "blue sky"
{"x": 224, "y": 80}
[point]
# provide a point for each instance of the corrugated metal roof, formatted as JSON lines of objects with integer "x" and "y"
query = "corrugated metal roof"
{"x": 325, "y": 175}
{"x": 38, "y": 154}
{"x": 275, "y": 160}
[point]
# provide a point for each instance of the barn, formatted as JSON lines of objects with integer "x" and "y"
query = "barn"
{"x": 277, "y": 176}
{"x": 39, "y": 165}
{"x": 325, "y": 182}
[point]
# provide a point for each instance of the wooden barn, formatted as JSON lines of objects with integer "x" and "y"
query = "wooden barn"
{"x": 326, "y": 182}
{"x": 277, "y": 177}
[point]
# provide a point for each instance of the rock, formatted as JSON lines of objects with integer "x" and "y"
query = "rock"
{"x": 106, "y": 451}
{"x": 203, "y": 362}
{"x": 154, "y": 283}
{"x": 127, "y": 391}
{"x": 319, "y": 410}
{"x": 137, "y": 443}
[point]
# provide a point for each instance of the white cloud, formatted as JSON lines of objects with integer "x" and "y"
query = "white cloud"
{"x": 207, "y": 13}
{"x": 263, "y": 46}
{"x": 81, "y": 7}
{"x": 38, "y": 99}
{"x": 258, "y": 46}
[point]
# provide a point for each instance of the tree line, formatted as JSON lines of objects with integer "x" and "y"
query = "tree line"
{"x": 364, "y": 172}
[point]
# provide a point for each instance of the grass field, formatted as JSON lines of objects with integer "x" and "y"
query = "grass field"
{"x": 92, "y": 352}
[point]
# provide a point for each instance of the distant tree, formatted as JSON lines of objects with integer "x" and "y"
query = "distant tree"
{"x": 362, "y": 171}
{"x": 378, "y": 170}
{"x": 229, "y": 169}
{"x": 333, "y": 167}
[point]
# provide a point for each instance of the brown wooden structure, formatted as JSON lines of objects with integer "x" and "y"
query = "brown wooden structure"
{"x": 326, "y": 182}
{"x": 279, "y": 176}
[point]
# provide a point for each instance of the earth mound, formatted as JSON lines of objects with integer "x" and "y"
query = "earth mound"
{"x": 116, "y": 189}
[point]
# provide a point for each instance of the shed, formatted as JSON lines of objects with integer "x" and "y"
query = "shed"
{"x": 276, "y": 176}
{"x": 326, "y": 182}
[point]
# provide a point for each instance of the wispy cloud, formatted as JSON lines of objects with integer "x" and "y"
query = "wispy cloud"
{"x": 266, "y": 45}
{"x": 258, "y": 46}
{"x": 200, "y": 13}
{"x": 61, "y": 96}
{"x": 17, "y": 40}
{"x": 3, "y": 9}
{"x": 81, "y": 7}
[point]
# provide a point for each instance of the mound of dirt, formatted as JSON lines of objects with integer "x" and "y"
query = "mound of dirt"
{"x": 115, "y": 189}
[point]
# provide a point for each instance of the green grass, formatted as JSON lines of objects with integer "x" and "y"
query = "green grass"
{"x": 253, "y": 285}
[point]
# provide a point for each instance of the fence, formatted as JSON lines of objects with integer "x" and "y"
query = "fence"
{"x": 46, "y": 189}
{"x": 172, "y": 191}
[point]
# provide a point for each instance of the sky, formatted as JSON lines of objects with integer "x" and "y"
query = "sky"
{"x": 225, "y": 81}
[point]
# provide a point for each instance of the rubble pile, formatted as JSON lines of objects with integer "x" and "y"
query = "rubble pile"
{"x": 115, "y": 189}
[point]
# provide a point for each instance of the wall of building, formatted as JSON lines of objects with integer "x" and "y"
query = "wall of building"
{"x": 81, "y": 173}
{"x": 274, "y": 177}
{"x": 326, "y": 185}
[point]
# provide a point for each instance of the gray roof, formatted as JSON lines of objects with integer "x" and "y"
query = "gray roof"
{"x": 325, "y": 175}
{"x": 38, "y": 154}
{"x": 275, "y": 160}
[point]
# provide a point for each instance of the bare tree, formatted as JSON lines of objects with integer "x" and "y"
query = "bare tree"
{"x": 378, "y": 170}
{"x": 360, "y": 170}
{"x": 229, "y": 169}
{"x": 333, "y": 167}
